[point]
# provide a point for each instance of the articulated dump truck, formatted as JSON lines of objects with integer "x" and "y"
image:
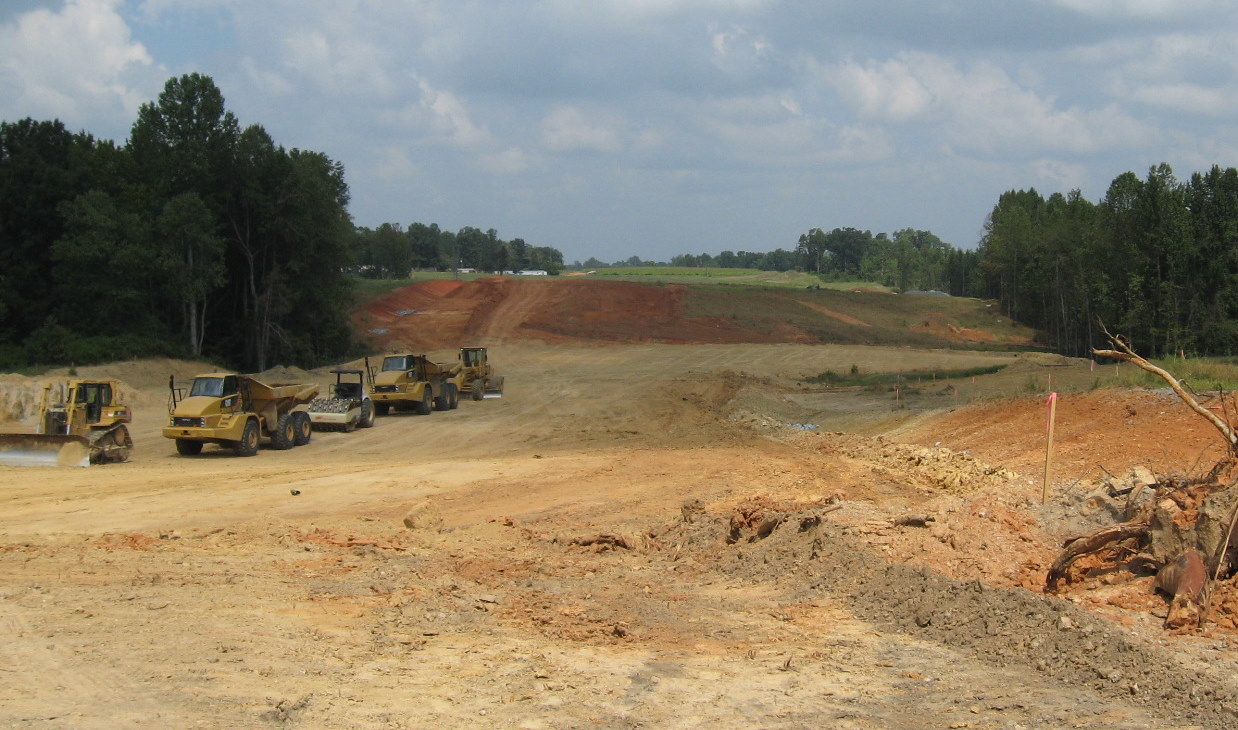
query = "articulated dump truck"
{"x": 413, "y": 383}
{"x": 235, "y": 411}
{"x": 80, "y": 422}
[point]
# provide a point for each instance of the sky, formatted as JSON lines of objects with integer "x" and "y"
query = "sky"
{"x": 650, "y": 128}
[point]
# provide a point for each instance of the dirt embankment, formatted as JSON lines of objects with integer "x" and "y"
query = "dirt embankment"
{"x": 437, "y": 314}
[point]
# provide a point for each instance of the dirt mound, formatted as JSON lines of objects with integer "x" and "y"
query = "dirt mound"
{"x": 283, "y": 374}
{"x": 1096, "y": 432}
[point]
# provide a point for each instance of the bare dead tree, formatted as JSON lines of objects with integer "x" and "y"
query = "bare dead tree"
{"x": 1185, "y": 576}
{"x": 1123, "y": 352}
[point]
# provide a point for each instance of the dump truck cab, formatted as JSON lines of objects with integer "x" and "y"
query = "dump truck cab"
{"x": 236, "y": 411}
{"x": 412, "y": 382}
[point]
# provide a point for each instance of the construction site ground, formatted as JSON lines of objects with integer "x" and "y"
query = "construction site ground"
{"x": 635, "y": 535}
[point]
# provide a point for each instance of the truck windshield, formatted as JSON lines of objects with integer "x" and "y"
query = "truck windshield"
{"x": 213, "y": 387}
{"x": 396, "y": 362}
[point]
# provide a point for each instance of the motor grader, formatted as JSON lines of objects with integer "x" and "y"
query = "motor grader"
{"x": 473, "y": 373}
{"x": 236, "y": 411}
{"x": 413, "y": 383}
{"x": 80, "y": 422}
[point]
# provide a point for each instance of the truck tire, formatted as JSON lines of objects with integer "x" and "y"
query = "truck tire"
{"x": 248, "y": 445}
{"x": 423, "y": 405}
{"x": 478, "y": 390}
{"x": 443, "y": 401}
{"x": 303, "y": 427}
{"x": 187, "y": 447}
{"x": 367, "y": 414}
{"x": 381, "y": 409}
{"x": 284, "y": 435}
{"x": 455, "y": 397}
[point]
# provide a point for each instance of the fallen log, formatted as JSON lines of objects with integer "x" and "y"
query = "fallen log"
{"x": 1089, "y": 544}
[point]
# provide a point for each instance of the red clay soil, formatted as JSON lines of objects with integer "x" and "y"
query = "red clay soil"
{"x": 1105, "y": 430}
{"x": 436, "y": 314}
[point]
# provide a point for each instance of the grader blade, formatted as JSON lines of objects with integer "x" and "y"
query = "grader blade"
{"x": 32, "y": 449}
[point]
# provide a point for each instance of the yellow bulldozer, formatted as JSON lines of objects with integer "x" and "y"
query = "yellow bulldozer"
{"x": 80, "y": 422}
{"x": 235, "y": 411}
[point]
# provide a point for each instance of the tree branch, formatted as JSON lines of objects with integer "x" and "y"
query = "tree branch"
{"x": 1124, "y": 353}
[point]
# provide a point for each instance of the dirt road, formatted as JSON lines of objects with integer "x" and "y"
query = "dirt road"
{"x": 632, "y": 537}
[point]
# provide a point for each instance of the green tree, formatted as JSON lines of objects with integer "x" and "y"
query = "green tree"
{"x": 194, "y": 259}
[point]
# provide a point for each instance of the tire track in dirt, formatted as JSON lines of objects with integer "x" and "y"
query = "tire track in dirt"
{"x": 844, "y": 318}
{"x": 520, "y": 299}
{"x": 54, "y": 682}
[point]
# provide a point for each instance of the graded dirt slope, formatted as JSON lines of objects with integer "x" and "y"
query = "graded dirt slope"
{"x": 434, "y": 314}
{"x": 634, "y": 536}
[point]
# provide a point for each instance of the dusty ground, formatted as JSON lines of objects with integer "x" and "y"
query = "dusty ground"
{"x": 635, "y": 536}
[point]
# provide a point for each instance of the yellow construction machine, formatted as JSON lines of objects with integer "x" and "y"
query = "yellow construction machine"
{"x": 413, "y": 383}
{"x": 80, "y": 422}
{"x": 473, "y": 373}
{"x": 235, "y": 411}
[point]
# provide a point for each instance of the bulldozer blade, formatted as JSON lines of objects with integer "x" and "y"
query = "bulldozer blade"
{"x": 31, "y": 449}
{"x": 492, "y": 394}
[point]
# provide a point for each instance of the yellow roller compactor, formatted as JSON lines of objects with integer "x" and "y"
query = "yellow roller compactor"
{"x": 80, "y": 422}
{"x": 348, "y": 406}
{"x": 235, "y": 411}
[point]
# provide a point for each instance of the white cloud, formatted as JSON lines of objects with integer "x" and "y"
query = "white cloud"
{"x": 979, "y": 108}
{"x": 1187, "y": 97}
{"x": 566, "y": 128}
{"x": 1144, "y": 8}
{"x": 510, "y": 161}
{"x": 886, "y": 90}
{"x": 1059, "y": 174}
{"x": 79, "y": 64}
{"x": 451, "y": 119}
{"x": 736, "y": 50}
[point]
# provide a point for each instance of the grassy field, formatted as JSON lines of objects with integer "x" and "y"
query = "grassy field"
{"x": 884, "y": 319}
{"x": 1205, "y": 373}
{"x": 735, "y": 277}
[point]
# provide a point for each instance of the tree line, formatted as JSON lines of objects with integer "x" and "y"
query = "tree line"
{"x": 391, "y": 252}
{"x": 1156, "y": 260}
{"x": 907, "y": 260}
{"x": 197, "y": 237}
